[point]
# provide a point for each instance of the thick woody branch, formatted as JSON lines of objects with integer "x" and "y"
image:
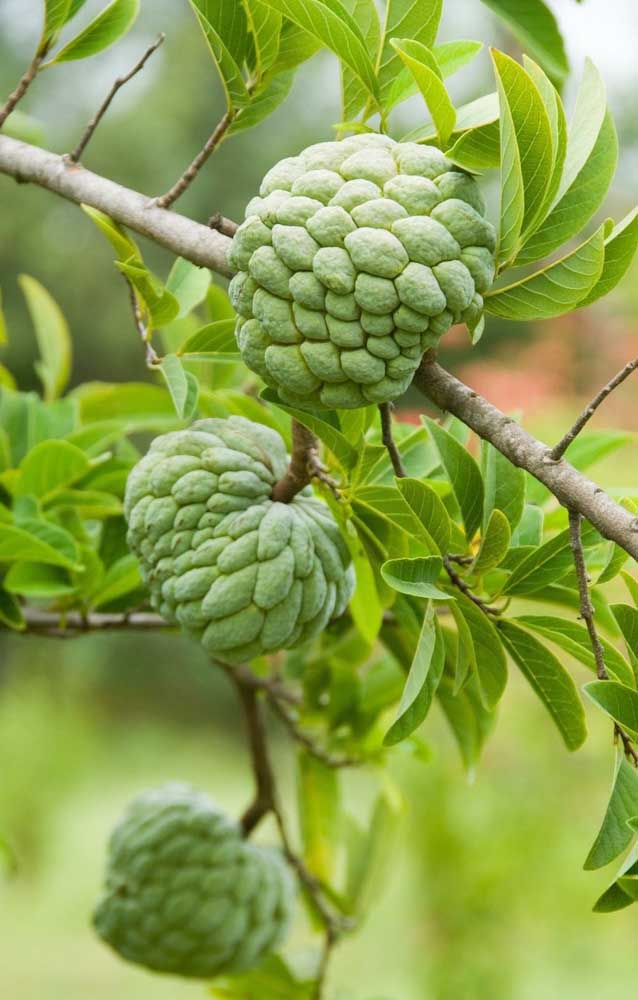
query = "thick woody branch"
{"x": 570, "y": 487}
{"x": 559, "y": 449}
{"x": 197, "y": 243}
{"x": 297, "y": 475}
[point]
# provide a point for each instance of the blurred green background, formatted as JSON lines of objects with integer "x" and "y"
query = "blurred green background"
{"x": 486, "y": 898}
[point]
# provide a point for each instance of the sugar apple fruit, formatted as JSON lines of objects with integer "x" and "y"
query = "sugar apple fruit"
{"x": 356, "y": 257}
{"x": 245, "y": 574}
{"x": 184, "y": 893}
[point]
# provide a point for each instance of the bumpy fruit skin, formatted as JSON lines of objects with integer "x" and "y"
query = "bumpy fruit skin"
{"x": 185, "y": 894}
{"x": 355, "y": 258}
{"x": 244, "y": 574}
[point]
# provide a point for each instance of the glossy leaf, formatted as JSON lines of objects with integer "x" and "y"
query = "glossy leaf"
{"x": 615, "y": 898}
{"x": 463, "y": 473}
{"x": 56, "y": 13}
{"x": 556, "y": 289}
{"x": 423, "y": 67}
{"x": 543, "y": 566}
{"x": 550, "y": 680}
{"x": 124, "y": 246}
{"x": 423, "y": 680}
{"x": 52, "y": 334}
{"x": 21, "y": 544}
{"x": 162, "y": 306}
{"x": 326, "y": 432}
{"x": 105, "y": 29}
{"x": 615, "y": 835}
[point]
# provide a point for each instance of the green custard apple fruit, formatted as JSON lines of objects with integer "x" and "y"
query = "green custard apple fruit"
{"x": 354, "y": 259}
{"x": 185, "y": 893}
{"x": 245, "y": 574}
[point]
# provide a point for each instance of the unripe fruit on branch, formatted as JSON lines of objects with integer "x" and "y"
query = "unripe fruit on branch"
{"x": 355, "y": 258}
{"x": 185, "y": 894}
{"x": 245, "y": 574}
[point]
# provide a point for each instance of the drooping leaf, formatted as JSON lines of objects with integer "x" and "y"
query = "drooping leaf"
{"x": 463, "y": 473}
{"x": 105, "y": 29}
{"x": 469, "y": 720}
{"x": 162, "y": 306}
{"x": 615, "y": 897}
{"x": 188, "y": 284}
{"x": 479, "y": 149}
{"x": 550, "y": 680}
{"x": 423, "y": 67}
{"x": 556, "y": 289}
{"x": 573, "y": 638}
{"x": 627, "y": 618}
{"x": 330, "y": 22}
{"x": 52, "y": 334}
{"x": 491, "y": 664}
{"x": 319, "y": 813}
{"x": 581, "y": 201}
{"x": 124, "y": 246}
{"x": 615, "y": 835}
{"x": 415, "y": 576}
{"x": 369, "y": 855}
{"x": 38, "y": 581}
{"x": 423, "y": 680}
{"x": 182, "y": 385}
{"x": 536, "y": 27}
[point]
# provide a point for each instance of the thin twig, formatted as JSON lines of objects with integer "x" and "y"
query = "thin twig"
{"x": 458, "y": 581}
{"x": 559, "y": 449}
{"x": 223, "y": 225}
{"x": 143, "y": 330}
{"x": 191, "y": 172}
{"x": 289, "y": 720}
{"x": 264, "y": 779}
{"x": 25, "y": 82}
{"x": 587, "y": 615}
{"x": 71, "y": 624}
{"x": 121, "y": 80}
{"x": 322, "y": 971}
{"x": 385, "y": 409}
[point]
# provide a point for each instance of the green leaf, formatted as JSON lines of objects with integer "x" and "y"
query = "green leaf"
{"x": 122, "y": 578}
{"x": 453, "y": 56}
{"x": 615, "y": 835}
{"x": 527, "y": 160}
{"x": 535, "y": 26}
{"x": 463, "y": 473}
{"x": 542, "y": 567}
{"x": 423, "y": 66}
{"x": 388, "y": 503}
{"x": 504, "y": 486}
{"x": 581, "y": 201}
{"x": 627, "y": 618}
{"x": 225, "y": 29}
{"x": 615, "y": 898}
{"x": 270, "y": 980}
{"x": 137, "y": 405}
{"x": 182, "y": 385}
{"x": 211, "y": 341}
{"x": 162, "y": 306}
{"x": 470, "y": 722}
{"x": 318, "y": 798}
{"x": 52, "y": 334}
{"x": 465, "y": 661}
{"x": 354, "y": 94}
{"x": 482, "y": 111}
{"x": 365, "y": 606}
{"x": 38, "y": 581}
{"x": 105, "y": 29}
{"x": 423, "y": 680}
{"x": 585, "y": 125}
{"x": 22, "y": 544}
{"x": 295, "y": 47}
{"x": 10, "y": 614}
{"x": 494, "y": 543}
{"x": 369, "y": 856}
{"x": 51, "y": 466}
{"x": 550, "y": 680}
{"x": 620, "y": 250}
{"x": 56, "y": 13}
{"x": 335, "y": 28}
{"x": 264, "y": 25}
{"x": 574, "y": 639}
{"x": 415, "y": 576}
{"x": 88, "y": 504}
{"x": 558, "y": 127}
{"x": 263, "y": 103}
{"x": 491, "y": 664}
{"x": 479, "y": 149}
{"x": 429, "y": 509}
{"x": 556, "y": 289}
{"x": 188, "y": 284}
{"x": 333, "y": 439}
{"x": 414, "y": 19}
{"x": 125, "y": 248}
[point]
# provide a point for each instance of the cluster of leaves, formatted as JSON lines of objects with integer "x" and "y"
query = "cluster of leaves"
{"x": 106, "y": 28}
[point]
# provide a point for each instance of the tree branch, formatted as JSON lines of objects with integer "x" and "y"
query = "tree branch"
{"x": 385, "y": 409}
{"x": 191, "y": 172}
{"x": 121, "y": 80}
{"x": 461, "y": 585}
{"x": 559, "y": 449}
{"x": 289, "y": 719}
{"x": 201, "y": 245}
{"x": 570, "y": 487}
{"x": 298, "y": 473}
{"x": 57, "y": 625}
{"x": 587, "y": 614}
{"x": 25, "y": 82}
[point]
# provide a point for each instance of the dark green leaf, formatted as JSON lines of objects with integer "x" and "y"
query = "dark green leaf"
{"x": 615, "y": 898}
{"x": 491, "y": 664}
{"x": 615, "y": 834}
{"x": 463, "y": 474}
{"x": 574, "y": 639}
{"x": 504, "y": 485}
{"x": 263, "y": 103}
{"x": 494, "y": 543}
{"x": 550, "y": 680}
{"x": 225, "y": 29}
